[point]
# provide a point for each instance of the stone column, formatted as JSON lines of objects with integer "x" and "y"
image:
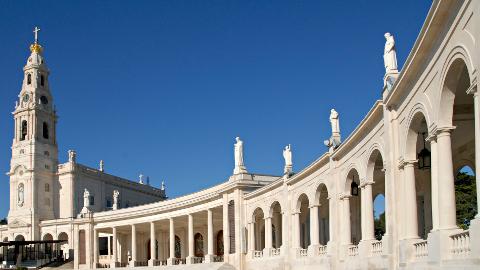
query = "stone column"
{"x": 153, "y": 245}
{"x": 446, "y": 181}
{"x": 296, "y": 230}
{"x": 209, "y": 257}
{"x": 473, "y": 90}
{"x": 434, "y": 182}
{"x": 172, "y": 242}
{"x": 268, "y": 236}
{"x": 331, "y": 219}
{"x": 226, "y": 229}
{"x": 251, "y": 237}
{"x": 191, "y": 240}
{"x": 314, "y": 226}
{"x": 367, "y": 213}
{"x": 134, "y": 246}
{"x": 410, "y": 219}
{"x": 95, "y": 248}
{"x": 113, "y": 263}
{"x": 347, "y": 229}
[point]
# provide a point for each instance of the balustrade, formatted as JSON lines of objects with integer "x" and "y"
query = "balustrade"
{"x": 275, "y": 252}
{"x": 377, "y": 247}
{"x": 159, "y": 262}
{"x": 257, "y": 254}
{"x": 353, "y": 251}
{"x": 198, "y": 260}
{"x": 322, "y": 250}
{"x": 142, "y": 263}
{"x": 303, "y": 252}
{"x": 218, "y": 258}
{"x": 421, "y": 249}
{"x": 460, "y": 244}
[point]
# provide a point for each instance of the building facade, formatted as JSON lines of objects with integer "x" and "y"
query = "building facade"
{"x": 409, "y": 147}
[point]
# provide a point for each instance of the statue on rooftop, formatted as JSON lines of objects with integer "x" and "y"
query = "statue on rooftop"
{"x": 390, "y": 54}
{"x": 72, "y": 156}
{"x": 287, "y": 155}
{"x": 334, "y": 122}
{"x": 239, "y": 165}
{"x": 86, "y": 198}
{"x": 116, "y": 195}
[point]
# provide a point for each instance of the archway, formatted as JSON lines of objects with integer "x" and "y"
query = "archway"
{"x": 304, "y": 221}
{"x": 48, "y": 246}
{"x": 276, "y": 214}
{"x": 148, "y": 248}
{"x": 353, "y": 186}
{"x": 457, "y": 146}
{"x": 417, "y": 180}
{"x": 64, "y": 246}
{"x": 376, "y": 178}
{"x": 19, "y": 238}
{"x": 259, "y": 229}
{"x": 323, "y": 214}
{"x": 178, "y": 247}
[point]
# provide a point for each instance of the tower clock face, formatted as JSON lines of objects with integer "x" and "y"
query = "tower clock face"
{"x": 26, "y": 98}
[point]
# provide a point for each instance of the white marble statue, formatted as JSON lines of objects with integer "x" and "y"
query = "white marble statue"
{"x": 21, "y": 195}
{"x": 140, "y": 179}
{"x": 239, "y": 165}
{"x": 72, "y": 156}
{"x": 390, "y": 55}
{"x": 116, "y": 195}
{"x": 334, "y": 121}
{"x": 287, "y": 155}
{"x": 86, "y": 198}
{"x": 102, "y": 165}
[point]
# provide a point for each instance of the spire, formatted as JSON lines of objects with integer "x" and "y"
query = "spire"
{"x": 36, "y": 47}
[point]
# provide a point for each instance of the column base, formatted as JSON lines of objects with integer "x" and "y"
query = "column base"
{"x": 475, "y": 236}
{"x": 209, "y": 258}
{"x": 267, "y": 252}
{"x": 170, "y": 261}
{"x": 113, "y": 265}
{"x": 313, "y": 250}
{"x": 189, "y": 260}
{"x": 132, "y": 263}
{"x": 151, "y": 262}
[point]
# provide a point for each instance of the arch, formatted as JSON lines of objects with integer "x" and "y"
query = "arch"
{"x": 65, "y": 247}
{"x": 303, "y": 204}
{"x": 47, "y": 237}
{"x": 352, "y": 174}
{"x": 417, "y": 123}
{"x": 42, "y": 80}
{"x": 322, "y": 199}
{"x": 456, "y": 77}
{"x": 198, "y": 245}
{"x": 29, "y": 78}
{"x": 258, "y": 229}
{"x": 277, "y": 229}
{"x": 298, "y": 204}
{"x": 19, "y": 238}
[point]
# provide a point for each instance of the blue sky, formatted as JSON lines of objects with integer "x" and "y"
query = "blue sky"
{"x": 163, "y": 87}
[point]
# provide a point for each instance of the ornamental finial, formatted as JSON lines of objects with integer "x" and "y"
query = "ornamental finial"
{"x": 35, "y": 47}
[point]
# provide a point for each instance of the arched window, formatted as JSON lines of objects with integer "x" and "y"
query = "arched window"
{"x": 45, "y": 130}
{"x": 47, "y": 187}
{"x": 29, "y": 79}
{"x": 42, "y": 80}
{"x": 24, "y": 130}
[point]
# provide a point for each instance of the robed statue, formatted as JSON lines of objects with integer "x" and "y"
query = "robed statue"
{"x": 334, "y": 121}
{"x": 287, "y": 155}
{"x": 239, "y": 165}
{"x": 390, "y": 55}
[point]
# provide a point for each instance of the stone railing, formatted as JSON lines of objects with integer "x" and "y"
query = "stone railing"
{"x": 103, "y": 265}
{"x": 198, "y": 260}
{"x": 352, "y": 251}
{"x": 421, "y": 249}
{"x": 122, "y": 264}
{"x": 303, "y": 252}
{"x": 103, "y": 258}
{"x": 322, "y": 250}
{"x": 257, "y": 254}
{"x": 159, "y": 262}
{"x": 142, "y": 263}
{"x": 377, "y": 247}
{"x": 218, "y": 258}
{"x": 460, "y": 244}
{"x": 178, "y": 261}
{"x": 275, "y": 252}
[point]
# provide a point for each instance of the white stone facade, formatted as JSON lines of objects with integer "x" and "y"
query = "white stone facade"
{"x": 311, "y": 219}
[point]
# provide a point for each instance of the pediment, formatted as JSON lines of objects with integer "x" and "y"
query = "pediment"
{"x": 16, "y": 223}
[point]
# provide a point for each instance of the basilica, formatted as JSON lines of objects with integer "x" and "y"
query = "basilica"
{"x": 410, "y": 148}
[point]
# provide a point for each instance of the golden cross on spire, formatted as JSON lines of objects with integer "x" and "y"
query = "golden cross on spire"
{"x": 36, "y": 30}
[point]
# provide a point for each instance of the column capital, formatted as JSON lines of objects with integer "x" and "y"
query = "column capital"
{"x": 444, "y": 131}
{"x": 406, "y": 163}
{"x": 314, "y": 205}
{"x": 267, "y": 217}
{"x": 295, "y": 213}
{"x": 366, "y": 182}
{"x": 345, "y": 196}
{"x": 472, "y": 90}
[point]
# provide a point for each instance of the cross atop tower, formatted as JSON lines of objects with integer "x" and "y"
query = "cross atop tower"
{"x": 36, "y": 30}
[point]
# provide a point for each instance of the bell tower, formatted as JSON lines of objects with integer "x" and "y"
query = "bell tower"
{"x": 34, "y": 150}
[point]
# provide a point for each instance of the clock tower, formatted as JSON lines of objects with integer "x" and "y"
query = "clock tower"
{"x": 34, "y": 151}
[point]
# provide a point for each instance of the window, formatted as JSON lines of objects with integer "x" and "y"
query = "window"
{"x": 43, "y": 100}
{"x": 29, "y": 79}
{"x": 47, "y": 187}
{"x": 42, "y": 80}
{"x": 46, "y": 153}
{"x": 92, "y": 200}
{"x": 108, "y": 203}
{"x": 24, "y": 131}
{"x": 45, "y": 130}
